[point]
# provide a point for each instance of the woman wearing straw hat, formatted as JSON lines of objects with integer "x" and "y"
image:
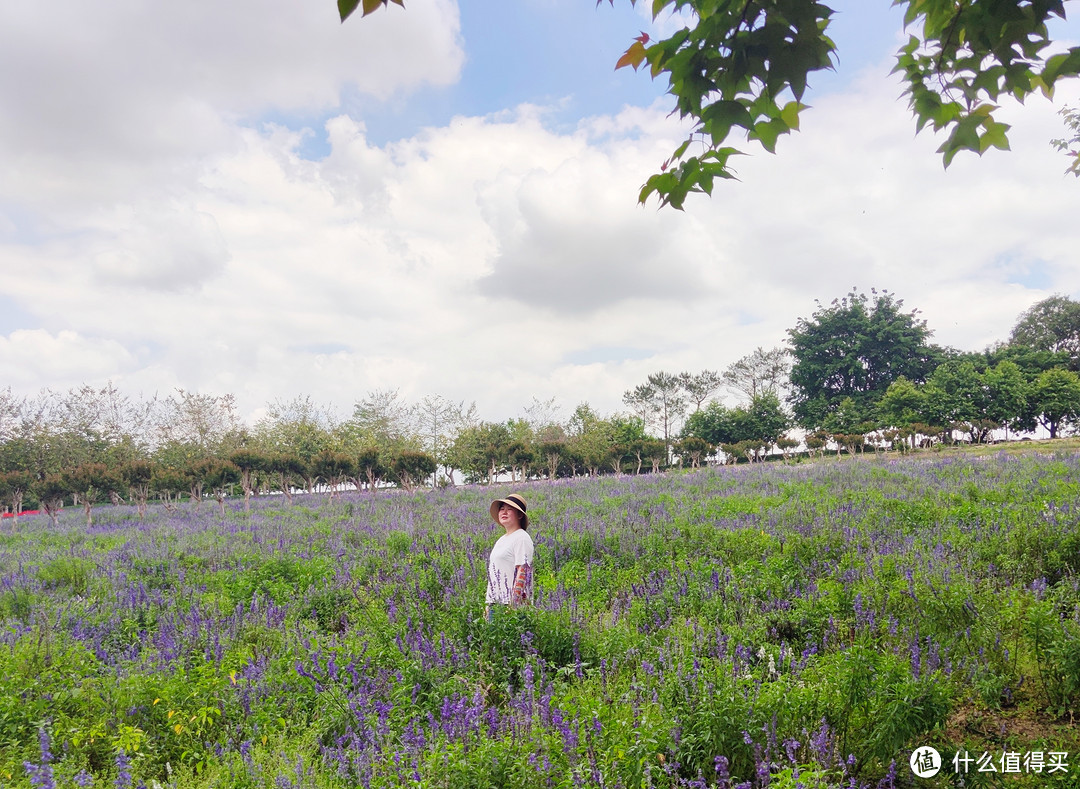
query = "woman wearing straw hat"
{"x": 510, "y": 563}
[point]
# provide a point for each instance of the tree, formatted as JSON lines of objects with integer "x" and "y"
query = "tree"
{"x": 743, "y": 68}
{"x": 759, "y": 423}
{"x": 591, "y": 438}
{"x": 382, "y": 418}
{"x": 855, "y": 348}
{"x": 410, "y": 468}
{"x": 640, "y": 402}
{"x": 249, "y": 462}
{"x": 333, "y": 468}
{"x": 518, "y": 456}
{"x": 660, "y": 400}
{"x": 1008, "y": 390}
{"x": 191, "y": 426}
{"x": 136, "y": 475}
{"x": 297, "y": 427}
{"x": 370, "y": 467}
{"x": 197, "y": 473}
{"x": 285, "y": 469}
{"x": 51, "y": 492}
{"x": 89, "y": 481}
{"x": 1055, "y": 399}
{"x": 1071, "y": 146}
{"x": 1053, "y": 325}
{"x": 14, "y": 486}
{"x": 902, "y": 407}
{"x": 435, "y": 416}
{"x": 168, "y": 484}
{"x": 699, "y": 387}
{"x": 549, "y": 453}
{"x": 692, "y": 449}
{"x": 956, "y": 395}
{"x": 219, "y": 477}
{"x": 759, "y": 372}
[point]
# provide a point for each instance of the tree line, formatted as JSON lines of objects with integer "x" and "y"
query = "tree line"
{"x": 860, "y": 371}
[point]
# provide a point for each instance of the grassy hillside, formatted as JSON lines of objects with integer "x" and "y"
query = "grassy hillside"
{"x": 805, "y": 625}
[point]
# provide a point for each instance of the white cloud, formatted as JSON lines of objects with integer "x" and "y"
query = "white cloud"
{"x": 30, "y": 357}
{"x": 104, "y": 98}
{"x": 478, "y": 259}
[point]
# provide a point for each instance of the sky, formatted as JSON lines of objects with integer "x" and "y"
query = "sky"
{"x": 253, "y": 198}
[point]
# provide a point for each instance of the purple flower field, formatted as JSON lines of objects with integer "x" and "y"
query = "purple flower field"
{"x": 782, "y": 626}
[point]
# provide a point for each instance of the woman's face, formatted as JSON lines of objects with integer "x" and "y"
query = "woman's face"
{"x": 509, "y": 517}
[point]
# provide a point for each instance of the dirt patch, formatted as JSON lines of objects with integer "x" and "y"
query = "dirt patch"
{"x": 1006, "y": 728}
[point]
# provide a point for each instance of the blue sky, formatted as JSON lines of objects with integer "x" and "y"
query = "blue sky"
{"x": 560, "y": 54}
{"x": 253, "y": 198}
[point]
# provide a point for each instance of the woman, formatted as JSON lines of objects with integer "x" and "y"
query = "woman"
{"x": 510, "y": 563}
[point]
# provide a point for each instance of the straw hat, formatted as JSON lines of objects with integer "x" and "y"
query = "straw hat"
{"x": 513, "y": 500}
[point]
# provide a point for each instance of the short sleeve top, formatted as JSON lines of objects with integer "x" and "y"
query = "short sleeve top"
{"x": 510, "y": 550}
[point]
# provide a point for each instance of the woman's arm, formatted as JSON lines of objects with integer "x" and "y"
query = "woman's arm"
{"x": 522, "y": 584}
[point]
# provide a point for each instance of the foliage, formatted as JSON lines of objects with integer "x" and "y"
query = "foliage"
{"x": 741, "y": 624}
{"x": 1070, "y": 146}
{"x": 759, "y": 372}
{"x": 743, "y": 68}
{"x": 1055, "y": 400}
{"x": 1052, "y": 325}
{"x": 855, "y": 348}
{"x": 412, "y": 468}
{"x": 757, "y": 425}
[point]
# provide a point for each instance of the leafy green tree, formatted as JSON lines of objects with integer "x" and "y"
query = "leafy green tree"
{"x": 550, "y": 454}
{"x": 136, "y": 476}
{"x": 1053, "y": 325}
{"x": 197, "y": 473}
{"x": 957, "y": 395}
{"x": 760, "y": 422}
{"x": 847, "y": 418}
{"x": 297, "y": 427}
{"x": 1055, "y": 400}
{"x": 714, "y": 423}
{"x": 591, "y": 438}
{"x": 1070, "y": 146}
{"x": 89, "y": 482}
{"x": 902, "y": 406}
{"x": 14, "y": 485}
{"x": 219, "y": 477}
{"x": 370, "y": 468}
{"x": 286, "y": 470}
{"x": 518, "y": 457}
{"x": 50, "y": 493}
{"x": 168, "y": 484}
{"x": 653, "y": 451}
{"x": 627, "y": 429}
{"x": 766, "y": 420}
{"x": 692, "y": 450}
{"x": 334, "y": 468}
{"x": 742, "y": 67}
{"x": 250, "y": 462}
{"x": 483, "y": 450}
{"x": 855, "y": 348}
{"x": 410, "y": 468}
{"x": 1008, "y": 389}
{"x": 786, "y": 445}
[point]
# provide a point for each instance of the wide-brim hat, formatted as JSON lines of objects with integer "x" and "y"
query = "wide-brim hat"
{"x": 513, "y": 500}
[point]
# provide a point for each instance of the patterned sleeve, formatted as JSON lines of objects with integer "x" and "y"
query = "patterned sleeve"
{"x": 522, "y": 584}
